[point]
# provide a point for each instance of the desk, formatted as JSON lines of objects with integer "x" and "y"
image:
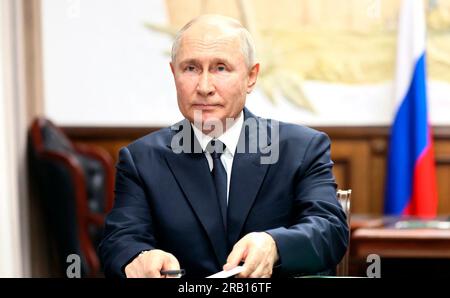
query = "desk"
{"x": 392, "y": 243}
{"x": 412, "y": 248}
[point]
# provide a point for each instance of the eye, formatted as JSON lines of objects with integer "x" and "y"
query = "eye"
{"x": 221, "y": 68}
{"x": 189, "y": 68}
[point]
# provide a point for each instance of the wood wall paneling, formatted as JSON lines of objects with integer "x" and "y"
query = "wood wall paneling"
{"x": 359, "y": 154}
{"x": 442, "y": 155}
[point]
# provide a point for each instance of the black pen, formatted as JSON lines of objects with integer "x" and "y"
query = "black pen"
{"x": 178, "y": 273}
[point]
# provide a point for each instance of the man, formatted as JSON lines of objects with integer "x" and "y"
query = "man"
{"x": 219, "y": 203}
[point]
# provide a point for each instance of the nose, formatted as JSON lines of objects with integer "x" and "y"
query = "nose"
{"x": 205, "y": 86}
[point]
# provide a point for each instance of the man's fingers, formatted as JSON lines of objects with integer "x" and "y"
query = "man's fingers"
{"x": 129, "y": 272}
{"x": 153, "y": 273}
{"x": 258, "y": 271}
{"x": 150, "y": 264}
{"x": 251, "y": 263}
{"x": 262, "y": 270}
{"x": 259, "y": 261}
{"x": 236, "y": 256}
{"x": 171, "y": 263}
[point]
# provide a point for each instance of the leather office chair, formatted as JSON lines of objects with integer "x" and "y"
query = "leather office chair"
{"x": 74, "y": 183}
{"x": 343, "y": 197}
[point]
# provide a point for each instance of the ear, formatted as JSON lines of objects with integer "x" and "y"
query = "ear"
{"x": 172, "y": 68}
{"x": 252, "y": 76}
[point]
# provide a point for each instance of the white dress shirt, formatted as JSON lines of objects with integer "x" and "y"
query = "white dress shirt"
{"x": 230, "y": 138}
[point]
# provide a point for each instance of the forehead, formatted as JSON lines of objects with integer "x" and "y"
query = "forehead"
{"x": 204, "y": 44}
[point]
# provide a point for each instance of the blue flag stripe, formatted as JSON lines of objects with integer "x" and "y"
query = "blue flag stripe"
{"x": 409, "y": 137}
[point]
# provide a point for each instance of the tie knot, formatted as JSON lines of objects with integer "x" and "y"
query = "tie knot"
{"x": 215, "y": 148}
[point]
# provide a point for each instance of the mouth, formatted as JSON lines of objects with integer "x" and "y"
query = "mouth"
{"x": 205, "y": 107}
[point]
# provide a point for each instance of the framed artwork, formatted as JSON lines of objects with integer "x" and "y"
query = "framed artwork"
{"x": 327, "y": 62}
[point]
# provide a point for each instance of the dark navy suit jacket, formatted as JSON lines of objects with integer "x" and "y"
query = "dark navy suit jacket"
{"x": 167, "y": 201}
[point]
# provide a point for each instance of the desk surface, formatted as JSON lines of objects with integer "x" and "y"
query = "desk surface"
{"x": 379, "y": 236}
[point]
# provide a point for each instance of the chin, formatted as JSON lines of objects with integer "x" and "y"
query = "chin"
{"x": 206, "y": 116}
{"x": 211, "y": 122}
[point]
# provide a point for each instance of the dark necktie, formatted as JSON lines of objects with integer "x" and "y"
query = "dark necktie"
{"x": 216, "y": 148}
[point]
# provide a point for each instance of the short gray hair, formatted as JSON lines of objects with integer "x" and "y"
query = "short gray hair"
{"x": 247, "y": 43}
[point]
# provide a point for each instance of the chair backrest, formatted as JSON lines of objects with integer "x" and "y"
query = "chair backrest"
{"x": 74, "y": 191}
{"x": 344, "y": 196}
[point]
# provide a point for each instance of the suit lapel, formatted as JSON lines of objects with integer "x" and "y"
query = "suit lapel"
{"x": 191, "y": 170}
{"x": 247, "y": 175}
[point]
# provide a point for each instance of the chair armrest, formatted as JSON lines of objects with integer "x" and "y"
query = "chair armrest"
{"x": 77, "y": 175}
{"x": 96, "y": 219}
{"x": 344, "y": 198}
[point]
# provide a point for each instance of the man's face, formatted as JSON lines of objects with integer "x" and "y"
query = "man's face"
{"x": 211, "y": 76}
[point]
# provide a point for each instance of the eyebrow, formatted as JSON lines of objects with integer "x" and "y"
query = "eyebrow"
{"x": 197, "y": 62}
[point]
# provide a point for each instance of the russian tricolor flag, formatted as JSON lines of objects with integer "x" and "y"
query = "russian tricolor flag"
{"x": 411, "y": 178}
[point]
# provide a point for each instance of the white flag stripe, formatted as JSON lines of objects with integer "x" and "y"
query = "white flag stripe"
{"x": 410, "y": 46}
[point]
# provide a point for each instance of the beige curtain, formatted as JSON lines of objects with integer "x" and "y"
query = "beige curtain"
{"x": 22, "y": 250}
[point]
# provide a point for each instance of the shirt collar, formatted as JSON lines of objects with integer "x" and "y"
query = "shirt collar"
{"x": 230, "y": 137}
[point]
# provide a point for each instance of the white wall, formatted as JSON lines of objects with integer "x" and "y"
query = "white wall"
{"x": 102, "y": 67}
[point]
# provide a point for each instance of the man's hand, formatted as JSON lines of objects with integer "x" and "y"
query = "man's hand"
{"x": 150, "y": 263}
{"x": 259, "y": 253}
